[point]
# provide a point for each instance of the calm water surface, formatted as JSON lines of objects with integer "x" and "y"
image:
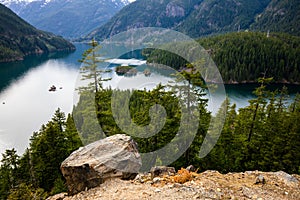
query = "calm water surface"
{"x": 26, "y": 103}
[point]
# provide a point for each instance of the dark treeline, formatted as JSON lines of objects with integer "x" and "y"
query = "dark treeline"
{"x": 36, "y": 174}
{"x": 19, "y": 39}
{"x": 262, "y": 136}
{"x": 246, "y": 56}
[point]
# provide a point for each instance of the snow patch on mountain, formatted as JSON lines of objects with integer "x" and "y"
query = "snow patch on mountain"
{"x": 68, "y": 18}
{"x": 9, "y": 2}
{"x": 125, "y": 2}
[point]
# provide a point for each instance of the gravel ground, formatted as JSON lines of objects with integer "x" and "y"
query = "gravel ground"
{"x": 207, "y": 185}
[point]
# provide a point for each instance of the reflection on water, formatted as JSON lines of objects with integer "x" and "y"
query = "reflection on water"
{"x": 27, "y": 104}
{"x": 139, "y": 80}
{"x": 14, "y": 70}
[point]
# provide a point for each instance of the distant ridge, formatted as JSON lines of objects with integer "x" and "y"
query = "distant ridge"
{"x": 70, "y": 19}
{"x": 197, "y": 18}
{"x": 19, "y": 39}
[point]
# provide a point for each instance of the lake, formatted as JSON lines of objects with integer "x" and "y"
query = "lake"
{"x": 26, "y": 102}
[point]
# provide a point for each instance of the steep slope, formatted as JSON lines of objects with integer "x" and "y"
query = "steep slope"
{"x": 203, "y": 17}
{"x": 280, "y": 16}
{"x": 18, "y": 38}
{"x": 145, "y": 13}
{"x": 15, "y": 5}
{"x": 71, "y": 18}
{"x": 193, "y": 17}
{"x": 214, "y": 16}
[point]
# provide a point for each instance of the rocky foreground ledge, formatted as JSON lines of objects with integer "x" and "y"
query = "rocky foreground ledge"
{"x": 190, "y": 185}
{"x": 108, "y": 169}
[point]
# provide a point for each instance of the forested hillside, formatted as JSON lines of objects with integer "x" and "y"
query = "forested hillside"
{"x": 261, "y": 136}
{"x": 252, "y": 139}
{"x": 18, "y": 38}
{"x": 214, "y": 16}
{"x": 144, "y": 13}
{"x": 280, "y": 16}
{"x": 197, "y": 18}
{"x": 244, "y": 57}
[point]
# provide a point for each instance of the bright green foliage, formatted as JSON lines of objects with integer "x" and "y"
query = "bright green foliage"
{"x": 59, "y": 186}
{"x": 26, "y": 192}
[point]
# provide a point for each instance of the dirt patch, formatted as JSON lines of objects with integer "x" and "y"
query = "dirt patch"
{"x": 189, "y": 185}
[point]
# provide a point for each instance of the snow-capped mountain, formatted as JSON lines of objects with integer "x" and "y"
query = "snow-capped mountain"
{"x": 14, "y": 5}
{"x": 5, "y": 2}
{"x": 69, "y": 18}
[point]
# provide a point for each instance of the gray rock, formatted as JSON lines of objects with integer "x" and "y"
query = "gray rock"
{"x": 113, "y": 157}
{"x": 162, "y": 170}
{"x": 157, "y": 190}
{"x": 173, "y": 10}
{"x": 156, "y": 180}
{"x": 60, "y": 196}
{"x": 260, "y": 179}
{"x": 286, "y": 178}
{"x": 191, "y": 168}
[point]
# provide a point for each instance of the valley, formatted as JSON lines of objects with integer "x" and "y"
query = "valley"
{"x": 207, "y": 89}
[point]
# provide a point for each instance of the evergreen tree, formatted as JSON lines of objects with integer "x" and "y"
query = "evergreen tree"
{"x": 90, "y": 71}
{"x": 8, "y": 172}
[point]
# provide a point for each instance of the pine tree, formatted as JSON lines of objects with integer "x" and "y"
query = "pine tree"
{"x": 90, "y": 71}
{"x": 8, "y": 172}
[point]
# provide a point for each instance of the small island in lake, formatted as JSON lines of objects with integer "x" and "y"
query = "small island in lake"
{"x": 147, "y": 72}
{"x": 126, "y": 71}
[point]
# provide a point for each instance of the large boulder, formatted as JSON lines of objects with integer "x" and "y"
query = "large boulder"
{"x": 89, "y": 166}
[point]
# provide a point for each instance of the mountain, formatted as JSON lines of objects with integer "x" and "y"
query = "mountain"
{"x": 280, "y": 16}
{"x": 68, "y": 18}
{"x": 147, "y": 13}
{"x": 215, "y": 16}
{"x": 19, "y": 39}
{"x": 203, "y": 17}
